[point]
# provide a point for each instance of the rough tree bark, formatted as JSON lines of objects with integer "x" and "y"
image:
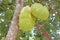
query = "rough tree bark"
{"x": 13, "y": 29}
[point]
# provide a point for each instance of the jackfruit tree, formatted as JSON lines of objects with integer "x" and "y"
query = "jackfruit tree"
{"x": 29, "y": 19}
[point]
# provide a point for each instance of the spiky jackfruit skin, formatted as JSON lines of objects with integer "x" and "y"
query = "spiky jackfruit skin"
{"x": 26, "y": 21}
{"x": 39, "y": 11}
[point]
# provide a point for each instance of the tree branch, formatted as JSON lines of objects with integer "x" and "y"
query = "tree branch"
{"x": 13, "y": 30}
{"x": 43, "y": 32}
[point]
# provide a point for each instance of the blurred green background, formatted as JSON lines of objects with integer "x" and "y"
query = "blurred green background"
{"x": 52, "y": 24}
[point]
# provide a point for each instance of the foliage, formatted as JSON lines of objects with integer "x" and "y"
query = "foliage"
{"x": 52, "y": 24}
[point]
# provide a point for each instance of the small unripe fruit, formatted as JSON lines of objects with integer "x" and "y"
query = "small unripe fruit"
{"x": 26, "y": 21}
{"x": 39, "y": 11}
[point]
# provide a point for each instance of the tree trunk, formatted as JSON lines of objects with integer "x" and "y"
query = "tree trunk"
{"x": 13, "y": 29}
